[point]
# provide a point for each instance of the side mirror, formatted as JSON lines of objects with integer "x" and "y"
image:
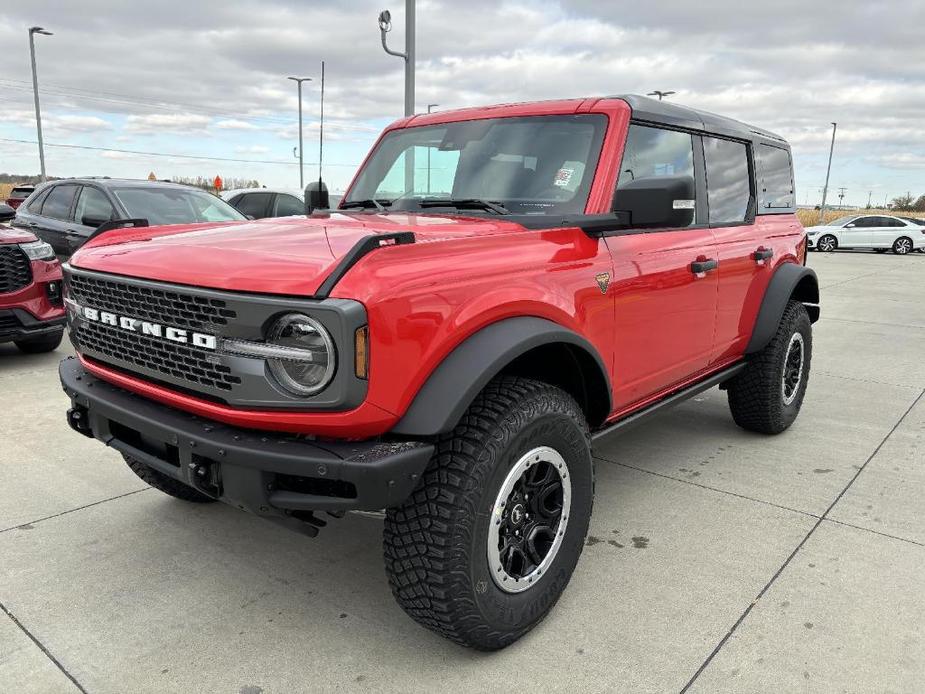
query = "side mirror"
{"x": 6, "y": 213}
{"x": 91, "y": 221}
{"x": 849, "y": 226}
{"x": 316, "y": 197}
{"x": 659, "y": 201}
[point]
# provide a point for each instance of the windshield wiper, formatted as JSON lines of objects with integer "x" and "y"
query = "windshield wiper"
{"x": 364, "y": 204}
{"x": 465, "y": 204}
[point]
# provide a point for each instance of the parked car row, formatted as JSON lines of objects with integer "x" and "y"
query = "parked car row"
{"x": 902, "y": 235}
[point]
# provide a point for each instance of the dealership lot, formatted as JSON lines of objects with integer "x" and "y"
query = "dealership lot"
{"x": 743, "y": 562}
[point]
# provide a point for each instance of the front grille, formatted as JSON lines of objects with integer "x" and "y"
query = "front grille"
{"x": 164, "y": 306}
{"x": 180, "y": 361}
{"x": 15, "y": 269}
{"x": 184, "y": 363}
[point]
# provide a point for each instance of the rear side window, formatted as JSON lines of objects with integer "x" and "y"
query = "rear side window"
{"x": 35, "y": 207}
{"x": 288, "y": 205}
{"x": 254, "y": 204}
{"x": 775, "y": 178}
{"x": 58, "y": 203}
{"x": 728, "y": 183}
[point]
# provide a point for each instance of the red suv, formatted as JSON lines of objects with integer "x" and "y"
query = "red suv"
{"x": 31, "y": 309}
{"x": 498, "y": 288}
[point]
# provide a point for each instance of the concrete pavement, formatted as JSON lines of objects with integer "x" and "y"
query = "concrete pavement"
{"x": 717, "y": 560}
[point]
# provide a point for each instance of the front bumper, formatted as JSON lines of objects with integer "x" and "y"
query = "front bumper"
{"x": 281, "y": 477}
{"x": 17, "y": 324}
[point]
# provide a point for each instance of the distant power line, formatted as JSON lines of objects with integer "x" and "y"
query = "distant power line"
{"x": 175, "y": 156}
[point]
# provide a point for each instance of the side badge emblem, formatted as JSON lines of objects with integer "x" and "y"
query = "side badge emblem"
{"x": 603, "y": 281}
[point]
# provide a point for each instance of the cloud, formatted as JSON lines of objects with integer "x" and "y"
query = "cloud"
{"x": 251, "y": 149}
{"x": 234, "y": 124}
{"x": 157, "y": 123}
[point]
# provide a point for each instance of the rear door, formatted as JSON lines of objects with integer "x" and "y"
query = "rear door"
{"x": 664, "y": 303}
{"x": 743, "y": 255}
{"x": 54, "y": 222}
{"x": 887, "y": 230}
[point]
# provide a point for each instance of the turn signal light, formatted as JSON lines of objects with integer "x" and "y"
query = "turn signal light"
{"x": 361, "y": 342}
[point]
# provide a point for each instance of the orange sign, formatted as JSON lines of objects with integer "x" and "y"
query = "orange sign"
{"x": 217, "y": 183}
{"x": 152, "y": 177}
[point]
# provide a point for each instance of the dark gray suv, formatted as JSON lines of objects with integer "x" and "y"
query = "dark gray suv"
{"x": 64, "y": 213}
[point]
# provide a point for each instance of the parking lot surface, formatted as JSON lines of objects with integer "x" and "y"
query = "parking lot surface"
{"x": 718, "y": 560}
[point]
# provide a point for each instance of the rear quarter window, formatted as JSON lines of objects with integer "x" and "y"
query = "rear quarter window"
{"x": 775, "y": 179}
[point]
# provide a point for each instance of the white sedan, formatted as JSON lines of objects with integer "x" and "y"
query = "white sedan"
{"x": 880, "y": 232}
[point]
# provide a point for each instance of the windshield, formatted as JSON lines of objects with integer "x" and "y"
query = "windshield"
{"x": 841, "y": 221}
{"x": 532, "y": 165}
{"x": 163, "y": 205}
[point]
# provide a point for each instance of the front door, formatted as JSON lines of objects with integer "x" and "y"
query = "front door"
{"x": 665, "y": 280}
{"x": 859, "y": 233}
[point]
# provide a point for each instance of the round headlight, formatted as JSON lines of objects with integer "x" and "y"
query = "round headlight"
{"x": 309, "y": 361}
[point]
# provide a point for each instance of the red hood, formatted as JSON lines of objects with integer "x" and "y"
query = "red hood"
{"x": 288, "y": 255}
{"x": 10, "y": 235}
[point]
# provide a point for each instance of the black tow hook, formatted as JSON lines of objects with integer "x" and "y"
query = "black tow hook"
{"x": 79, "y": 421}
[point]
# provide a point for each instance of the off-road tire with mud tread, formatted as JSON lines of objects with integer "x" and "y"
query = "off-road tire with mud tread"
{"x": 435, "y": 543}
{"x": 166, "y": 484}
{"x": 755, "y": 396}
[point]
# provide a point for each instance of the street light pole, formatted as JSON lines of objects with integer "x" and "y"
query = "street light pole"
{"x": 35, "y": 90}
{"x": 660, "y": 94}
{"x": 430, "y": 108}
{"x": 385, "y": 26}
{"x": 299, "y": 80}
{"x": 828, "y": 170}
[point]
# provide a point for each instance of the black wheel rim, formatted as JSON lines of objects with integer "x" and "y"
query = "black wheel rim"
{"x": 528, "y": 519}
{"x": 793, "y": 368}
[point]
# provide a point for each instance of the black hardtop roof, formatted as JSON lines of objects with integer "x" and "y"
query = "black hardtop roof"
{"x": 668, "y": 113}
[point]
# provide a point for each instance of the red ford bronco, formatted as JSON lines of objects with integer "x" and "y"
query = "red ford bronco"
{"x": 498, "y": 288}
{"x": 31, "y": 309}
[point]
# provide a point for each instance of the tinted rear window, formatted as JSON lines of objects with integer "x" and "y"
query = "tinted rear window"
{"x": 775, "y": 179}
{"x": 728, "y": 186}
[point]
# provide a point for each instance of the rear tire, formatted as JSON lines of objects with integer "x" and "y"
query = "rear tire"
{"x": 827, "y": 243}
{"x": 470, "y": 554}
{"x": 902, "y": 245}
{"x": 41, "y": 344}
{"x": 767, "y": 395}
{"x": 166, "y": 484}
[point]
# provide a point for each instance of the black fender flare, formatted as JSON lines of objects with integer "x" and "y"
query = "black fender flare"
{"x": 461, "y": 376}
{"x": 790, "y": 281}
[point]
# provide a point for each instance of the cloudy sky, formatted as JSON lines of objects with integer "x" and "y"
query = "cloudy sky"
{"x": 207, "y": 79}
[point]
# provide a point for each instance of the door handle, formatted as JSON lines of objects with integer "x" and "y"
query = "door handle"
{"x": 701, "y": 267}
{"x": 763, "y": 254}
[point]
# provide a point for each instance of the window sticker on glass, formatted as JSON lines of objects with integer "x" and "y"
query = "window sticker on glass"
{"x": 563, "y": 177}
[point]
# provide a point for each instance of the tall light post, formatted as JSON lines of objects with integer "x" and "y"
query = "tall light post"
{"x": 430, "y": 108}
{"x": 35, "y": 90}
{"x": 660, "y": 94}
{"x": 825, "y": 190}
{"x": 385, "y": 26}
{"x": 299, "y": 80}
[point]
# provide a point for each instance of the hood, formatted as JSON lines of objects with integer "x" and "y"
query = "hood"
{"x": 287, "y": 255}
{"x": 10, "y": 235}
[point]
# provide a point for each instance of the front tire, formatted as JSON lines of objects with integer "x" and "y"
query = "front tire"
{"x": 902, "y": 245}
{"x": 767, "y": 395}
{"x": 486, "y": 544}
{"x": 827, "y": 243}
{"x": 41, "y": 344}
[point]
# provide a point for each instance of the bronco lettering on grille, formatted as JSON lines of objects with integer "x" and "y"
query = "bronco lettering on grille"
{"x": 136, "y": 325}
